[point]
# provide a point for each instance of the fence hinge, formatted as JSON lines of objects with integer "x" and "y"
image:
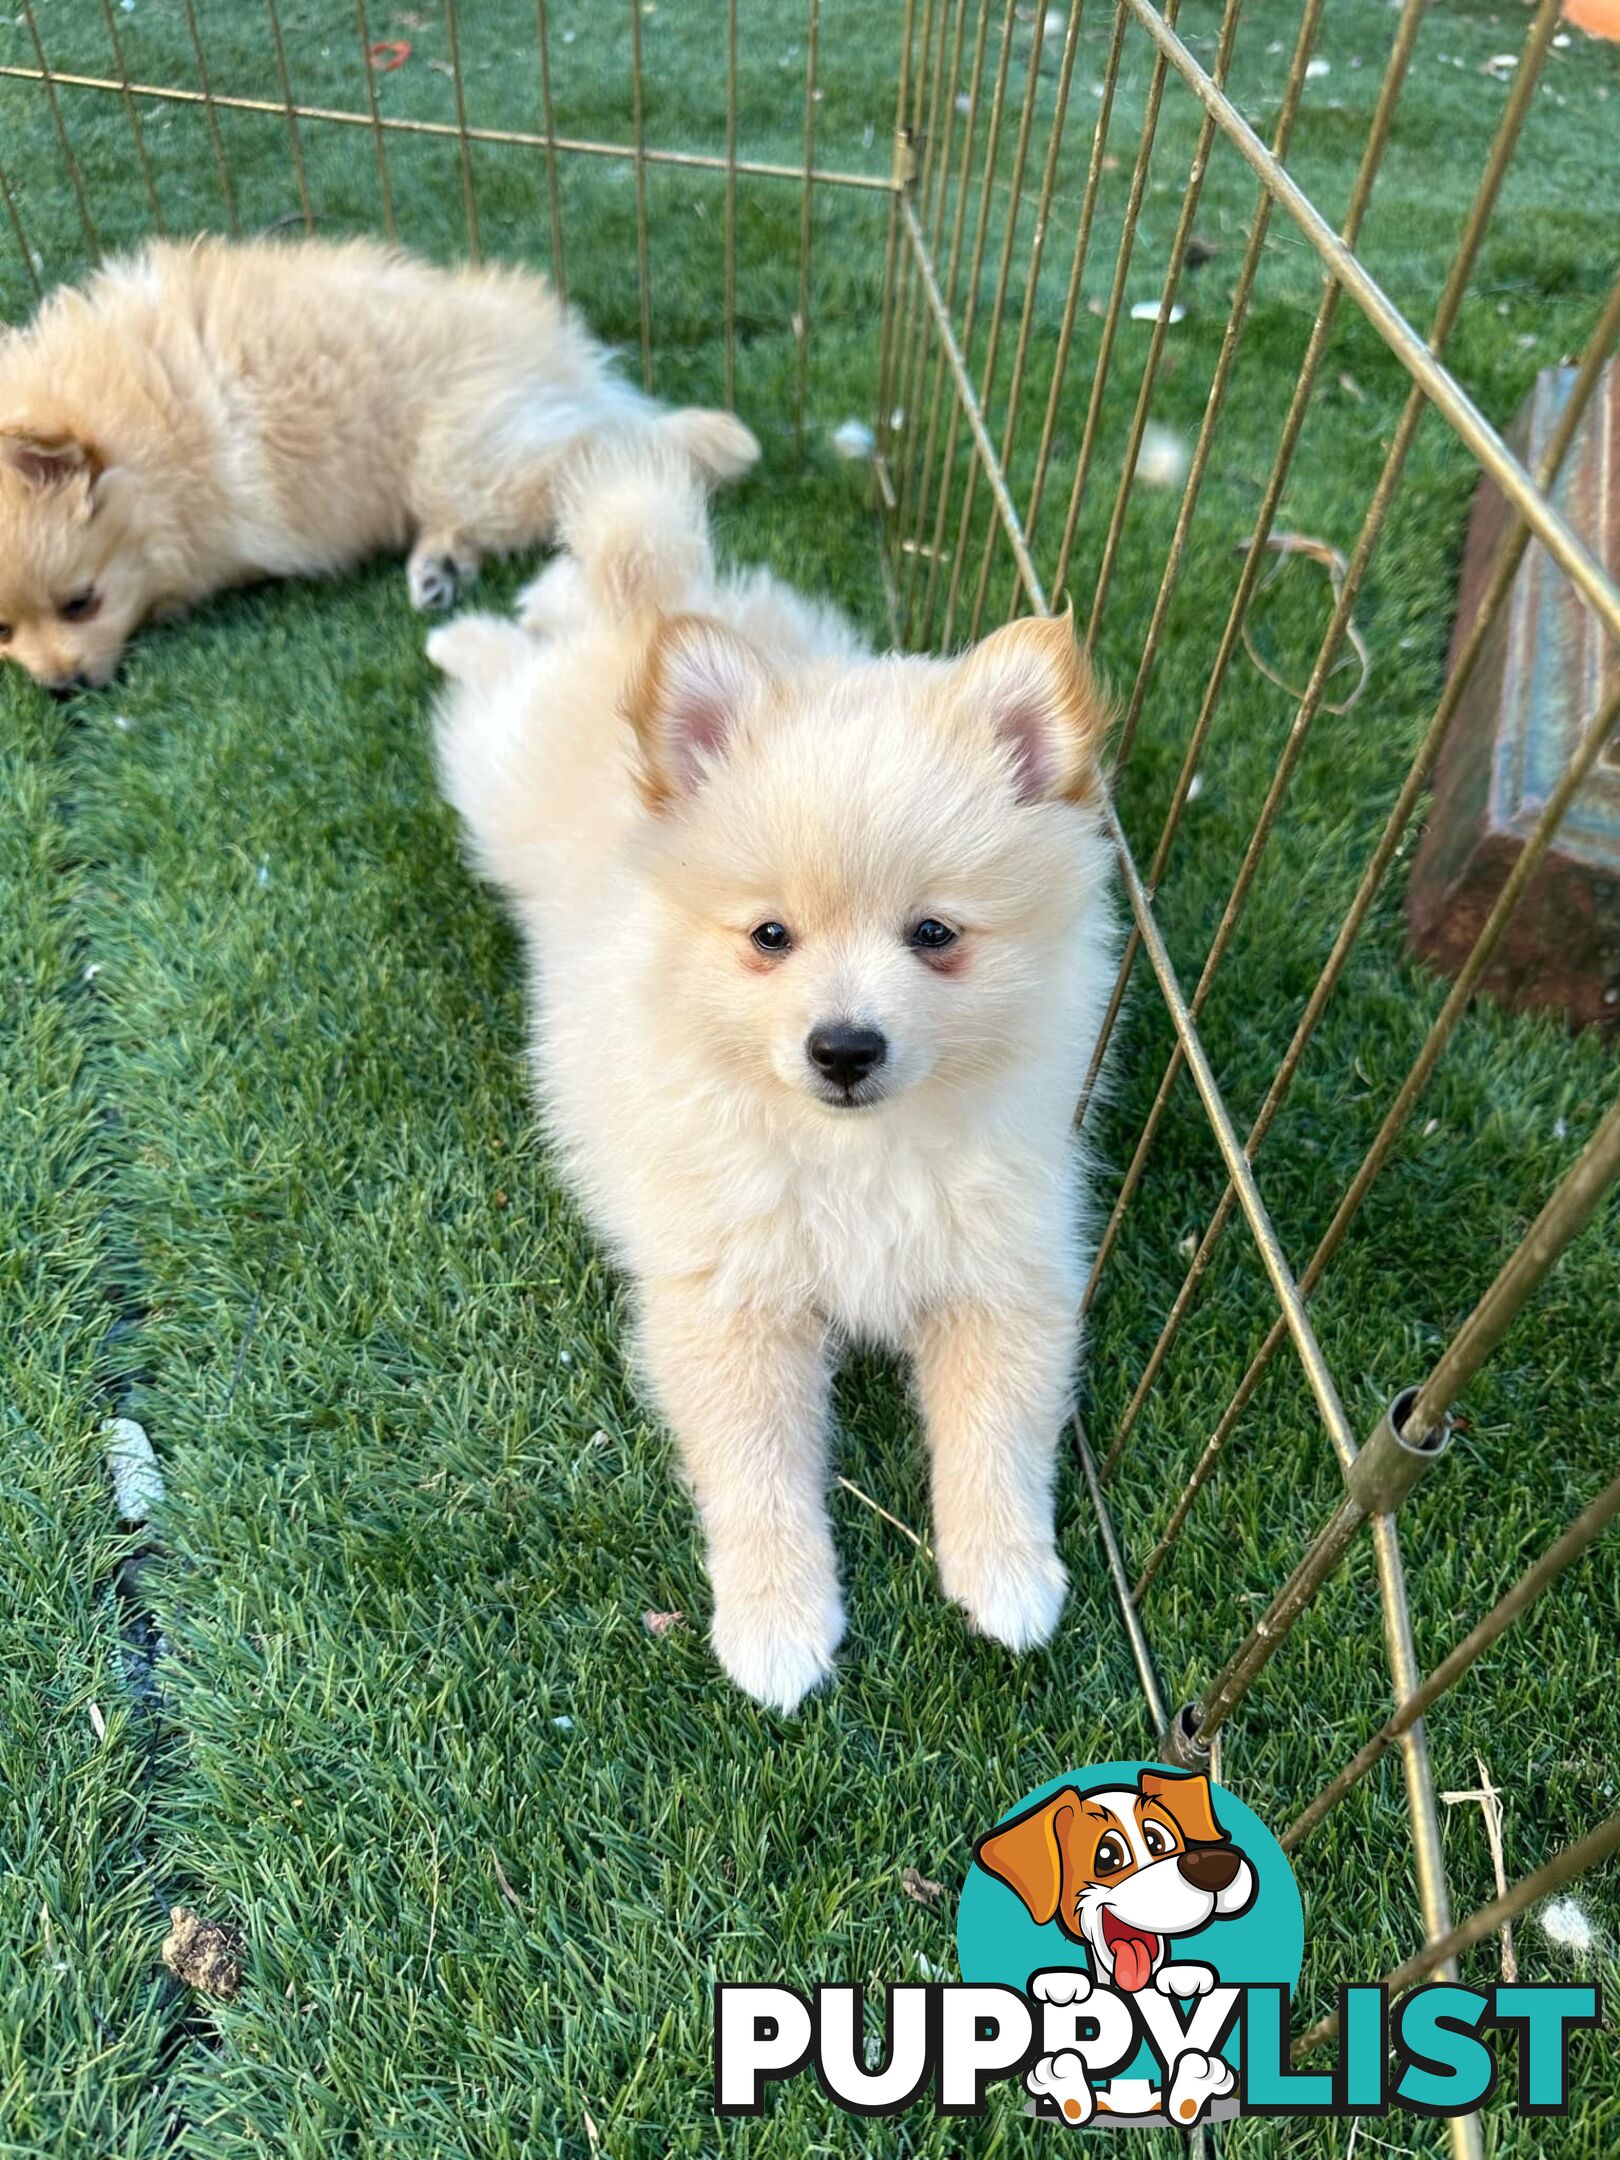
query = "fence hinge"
{"x": 904, "y": 173}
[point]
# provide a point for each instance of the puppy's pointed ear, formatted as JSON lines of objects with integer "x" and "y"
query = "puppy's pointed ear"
{"x": 1188, "y": 1798}
{"x": 48, "y": 460}
{"x": 696, "y": 681}
{"x": 1030, "y": 685}
{"x": 1027, "y": 1854}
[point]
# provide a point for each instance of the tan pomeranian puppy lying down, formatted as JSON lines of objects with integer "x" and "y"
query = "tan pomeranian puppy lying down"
{"x": 820, "y": 945}
{"x": 209, "y": 413}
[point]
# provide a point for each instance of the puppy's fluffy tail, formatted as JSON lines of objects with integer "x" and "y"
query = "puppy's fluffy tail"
{"x": 718, "y": 444}
{"x": 633, "y": 518}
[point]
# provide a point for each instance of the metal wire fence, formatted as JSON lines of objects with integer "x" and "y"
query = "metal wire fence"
{"x": 956, "y": 422}
{"x": 1003, "y": 474}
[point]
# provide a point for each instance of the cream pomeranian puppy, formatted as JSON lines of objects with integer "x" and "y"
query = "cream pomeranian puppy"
{"x": 209, "y": 413}
{"x": 820, "y": 946}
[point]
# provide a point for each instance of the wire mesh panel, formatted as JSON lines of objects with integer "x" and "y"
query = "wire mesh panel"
{"x": 1106, "y": 213}
{"x": 1103, "y": 232}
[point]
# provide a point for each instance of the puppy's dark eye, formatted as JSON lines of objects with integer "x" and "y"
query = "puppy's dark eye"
{"x": 931, "y": 935}
{"x": 5, "y": 633}
{"x": 1111, "y": 1855}
{"x": 81, "y": 606}
{"x": 771, "y": 937}
{"x": 1156, "y": 1838}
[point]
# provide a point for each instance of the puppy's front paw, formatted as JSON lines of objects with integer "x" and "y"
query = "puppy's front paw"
{"x": 1015, "y": 1596}
{"x": 436, "y": 579}
{"x": 778, "y": 1647}
{"x": 1198, "y": 2080}
{"x": 1062, "y": 2079}
{"x": 1061, "y": 1984}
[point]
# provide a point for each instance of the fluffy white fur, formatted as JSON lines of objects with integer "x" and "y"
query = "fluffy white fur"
{"x": 206, "y": 413}
{"x": 664, "y": 759}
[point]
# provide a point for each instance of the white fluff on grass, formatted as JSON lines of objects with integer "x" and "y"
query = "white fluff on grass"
{"x": 132, "y": 1465}
{"x": 853, "y": 440}
{"x": 1163, "y": 458}
{"x": 1564, "y": 1923}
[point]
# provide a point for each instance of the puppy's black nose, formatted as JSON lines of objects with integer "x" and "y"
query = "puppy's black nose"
{"x": 1209, "y": 1867}
{"x": 846, "y": 1054}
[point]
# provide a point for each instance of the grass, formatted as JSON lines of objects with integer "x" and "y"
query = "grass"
{"x": 270, "y": 1185}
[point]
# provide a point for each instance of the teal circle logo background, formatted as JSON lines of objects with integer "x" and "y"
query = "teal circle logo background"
{"x": 998, "y": 1942}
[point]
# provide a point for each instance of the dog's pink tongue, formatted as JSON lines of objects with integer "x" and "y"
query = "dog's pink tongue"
{"x": 1133, "y": 1963}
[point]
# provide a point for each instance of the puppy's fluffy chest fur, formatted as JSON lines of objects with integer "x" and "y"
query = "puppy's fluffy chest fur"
{"x": 868, "y": 1218}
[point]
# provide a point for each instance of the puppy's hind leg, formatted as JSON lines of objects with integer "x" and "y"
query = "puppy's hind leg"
{"x": 441, "y": 566}
{"x": 994, "y": 1384}
{"x": 483, "y": 482}
{"x": 746, "y": 1394}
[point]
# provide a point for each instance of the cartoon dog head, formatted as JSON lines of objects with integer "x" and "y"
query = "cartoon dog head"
{"x": 1123, "y": 1869}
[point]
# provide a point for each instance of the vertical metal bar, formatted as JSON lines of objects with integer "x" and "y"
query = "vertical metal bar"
{"x": 1367, "y": 172}
{"x": 639, "y": 117}
{"x": 64, "y": 142}
{"x": 548, "y": 120}
{"x": 801, "y": 320}
{"x": 222, "y": 163}
{"x": 1519, "y": 100}
{"x": 1535, "y": 847}
{"x": 1032, "y": 281}
{"x": 930, "y": 192}
{"x": 914, "y": 151}
{"x": 1571, "y": 1206}
{"x": 1379, "y": 1477}
{"x": 1116, "y": 302}
{"x": 968, "y": 404}
{"x": 294, "y": 142}
{"x": 1267, "y": 1243}
{"x": 731, "y": 207}
{"x": 1491, "y": 453}
{"x": 892, "y": 263}
{"x": 1500, "y": 583}
{"x": 981, "y": 231}
{"x": 384, "y": 185}
{"x": 1423, "y": 1813}
{"x": 1077, "y": 264}
{"x": 1235, "y": 322}
{"x": 1161, "y": 326}
{"x": 1135, "y": 1635}
{"x": 469, "y": 192}
{"x": 19, "y": 233}
{"x": 918, "y": 521}
{"x": 132, "y": 114}
{"x": 1562, "y": 1553}
{"x": 1587, "y": 1852}
{"x": 998, "y": 307}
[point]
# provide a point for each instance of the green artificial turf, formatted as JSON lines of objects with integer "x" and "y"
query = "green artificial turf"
{"x": 269, "y": 1183}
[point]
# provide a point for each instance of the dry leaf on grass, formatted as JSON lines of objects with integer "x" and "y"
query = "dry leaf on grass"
{"x": 1286, "y": 544}
{"x": 919, "y": 1887}
{"x": 507, "y": 1891}
{"x": 205, "y": 1954}
{"x": 661, "y": 1623}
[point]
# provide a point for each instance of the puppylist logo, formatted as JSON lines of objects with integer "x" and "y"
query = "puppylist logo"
{"x": 1129, "y": 1937}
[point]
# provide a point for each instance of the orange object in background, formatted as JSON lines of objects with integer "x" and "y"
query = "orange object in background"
{"x": 1600, "y": 17}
